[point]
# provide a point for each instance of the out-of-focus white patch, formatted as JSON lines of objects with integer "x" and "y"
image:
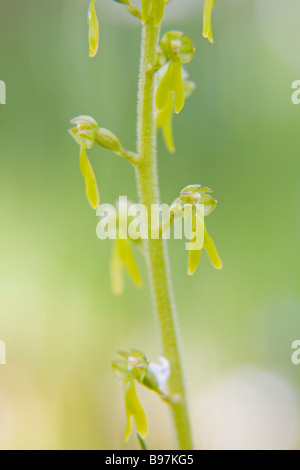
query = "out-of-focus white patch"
{"x": 248, "y": 409}
{"x": 279, "y": 22}
{"x": 160, "y": 371}
{"x": 176, "y": 9}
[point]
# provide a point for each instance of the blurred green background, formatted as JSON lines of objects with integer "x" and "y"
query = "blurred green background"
{"x": 238, "y": 134}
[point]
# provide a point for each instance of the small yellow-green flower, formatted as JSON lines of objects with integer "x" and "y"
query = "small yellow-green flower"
{"x": 164, "y": 119}
{"x": 207, "y": 28}
{"x": 86, "y": 133}
{"x": 153, "y": 10}
{"x": 93, "y": 30}
{"x": 176, "y": 49}
{"x": 130, "y": 8}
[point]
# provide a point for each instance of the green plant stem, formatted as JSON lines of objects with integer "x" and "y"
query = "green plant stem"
{"x": 157, "y": 257}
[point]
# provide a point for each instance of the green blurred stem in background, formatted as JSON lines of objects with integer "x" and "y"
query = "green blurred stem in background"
{"x": 157, "y": 257}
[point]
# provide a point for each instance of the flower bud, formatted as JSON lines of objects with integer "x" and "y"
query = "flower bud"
{"x": 164, "y": 121}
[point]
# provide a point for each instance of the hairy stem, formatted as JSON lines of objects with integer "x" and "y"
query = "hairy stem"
{"x": 157, "y": 257}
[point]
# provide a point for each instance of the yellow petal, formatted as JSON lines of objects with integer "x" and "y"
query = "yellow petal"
{"x": 116, "y": 272}
{"x": 178, "y": 88}
{"x": 194, "y": 260}
{"x": 93, "y": 30}
{"x": 207, "y": 28}
{"x": 91, "y": 187}
{"x": 212, "y": 252}
{"x": 134, "y": 408}
{"x": 127, "y": 258}
{"x": 164, "y": 121}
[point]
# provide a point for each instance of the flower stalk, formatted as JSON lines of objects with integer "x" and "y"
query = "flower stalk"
{"x": 157, "y": 257}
